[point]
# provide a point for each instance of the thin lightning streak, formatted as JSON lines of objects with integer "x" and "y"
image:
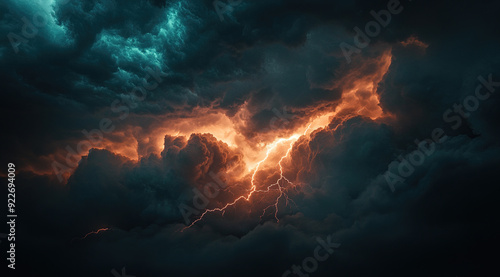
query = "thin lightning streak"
{"x": 282, "y": 177}
{"x": 281, "y": 189}
{"x": 93, "y": 232}
{"x": 253, "y": 187}
{"x": 334, "y": 119}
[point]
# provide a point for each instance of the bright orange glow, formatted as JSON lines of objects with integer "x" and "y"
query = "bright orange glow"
{"x": 266, "y": 155}
{"x": 359, "y": 98}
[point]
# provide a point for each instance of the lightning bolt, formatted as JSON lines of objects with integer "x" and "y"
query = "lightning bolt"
{"x": 280, "y": 188}
{"x": 349, "y": 108}
{"x": 278, "y": 185}
{"x": 253, "y": 188}
{"x": 90, "y": 233}
{"x": 282, "y": 177}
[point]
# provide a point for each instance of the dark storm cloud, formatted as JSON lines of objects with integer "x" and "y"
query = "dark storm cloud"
{"x": 92, "y": 53}
{"x": 269, "y": 54}
{"x": 359, "y": 208}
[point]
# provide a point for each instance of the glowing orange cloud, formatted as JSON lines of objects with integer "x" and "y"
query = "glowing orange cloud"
{"x": 359, "y": 98}
{"x": 266, "y": 155}
{"x": 412, "y": 40}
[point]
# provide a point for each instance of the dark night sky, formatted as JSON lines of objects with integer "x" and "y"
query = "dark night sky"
{"x": 218, "y": 92}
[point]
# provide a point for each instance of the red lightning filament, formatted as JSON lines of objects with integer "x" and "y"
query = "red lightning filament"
{"x": 92, "y": 233}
